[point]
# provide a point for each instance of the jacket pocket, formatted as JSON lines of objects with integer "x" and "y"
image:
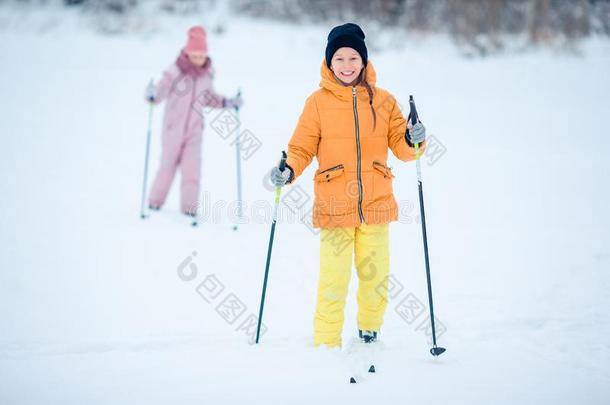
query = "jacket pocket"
{"x": 383, "y": 169}
{"x": 382, "y": 181}
{"x": 329, "y": 189}
{"x": 328, "y": 174}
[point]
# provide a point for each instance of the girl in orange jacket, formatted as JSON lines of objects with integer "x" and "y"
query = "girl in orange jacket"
{"x": 348, "y": 125}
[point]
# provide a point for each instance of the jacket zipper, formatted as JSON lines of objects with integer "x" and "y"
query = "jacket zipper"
{"x": 188, "y": 116}
{"x": 358, "y": 162}
{"x": 331, "y": 169}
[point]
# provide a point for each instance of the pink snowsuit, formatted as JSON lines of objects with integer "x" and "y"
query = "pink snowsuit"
{"x": 188, "y": 89}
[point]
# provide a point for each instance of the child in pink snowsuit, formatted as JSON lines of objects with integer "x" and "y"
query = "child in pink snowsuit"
{"x": 187, "y": 88}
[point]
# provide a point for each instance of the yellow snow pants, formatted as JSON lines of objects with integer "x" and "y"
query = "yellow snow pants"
{"x": 370, "y": 244}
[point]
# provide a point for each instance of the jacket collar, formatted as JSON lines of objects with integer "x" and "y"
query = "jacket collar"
{"x": 187, "y": 68}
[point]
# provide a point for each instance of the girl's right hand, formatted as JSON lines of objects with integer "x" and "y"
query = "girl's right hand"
{"x": 280, "y": 178}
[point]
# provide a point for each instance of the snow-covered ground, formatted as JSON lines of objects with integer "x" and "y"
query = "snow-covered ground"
{"x": 93, "y": 308}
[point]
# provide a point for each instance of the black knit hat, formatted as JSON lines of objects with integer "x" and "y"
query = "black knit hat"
{"x": 350, "y": 35}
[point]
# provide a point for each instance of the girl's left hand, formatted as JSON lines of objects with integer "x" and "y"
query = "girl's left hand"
{"x": 416, "y": 133}
{"x": 234, "y": 102}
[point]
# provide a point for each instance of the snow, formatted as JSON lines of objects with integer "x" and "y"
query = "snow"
{"x": 92, "y": 307}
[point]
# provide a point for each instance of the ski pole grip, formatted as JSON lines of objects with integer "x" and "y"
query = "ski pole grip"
{"x": 283, "y": 161}
{"x": 414, "y": 117}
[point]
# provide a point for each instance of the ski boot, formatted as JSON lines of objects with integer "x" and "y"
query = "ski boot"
{"x": 367, "y": 336}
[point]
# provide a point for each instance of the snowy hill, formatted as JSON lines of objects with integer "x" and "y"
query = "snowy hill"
{"x": 92, "y": 305}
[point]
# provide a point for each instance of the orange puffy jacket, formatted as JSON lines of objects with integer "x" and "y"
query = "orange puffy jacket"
{"x": 353, "y": 183}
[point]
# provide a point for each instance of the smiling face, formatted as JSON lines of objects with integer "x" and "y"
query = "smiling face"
{"x": 197, "y": 58}
{"x": 346, "y": 64}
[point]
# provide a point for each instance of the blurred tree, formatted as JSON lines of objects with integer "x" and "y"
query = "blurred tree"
{"x": 480, "y": 26}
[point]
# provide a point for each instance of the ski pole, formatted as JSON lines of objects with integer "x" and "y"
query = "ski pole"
{"x": 150, "y": 111}
{"x": 278, "y": 190}
{"x": 238, "y": 165}
{"x": 435, "y": 350}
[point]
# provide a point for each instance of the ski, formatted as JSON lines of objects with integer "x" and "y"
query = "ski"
{"x": 355, "y": 378}
{"x": 361, "y": 355}
{"x": 192, "y": 219}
